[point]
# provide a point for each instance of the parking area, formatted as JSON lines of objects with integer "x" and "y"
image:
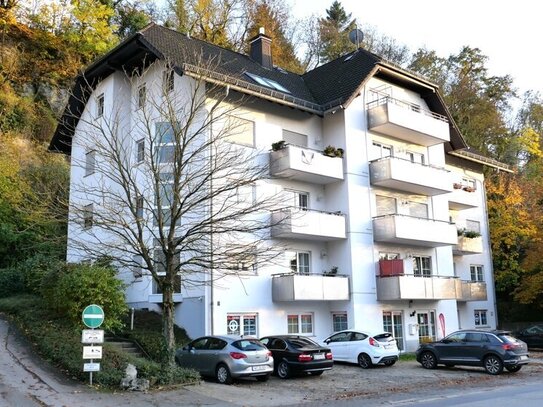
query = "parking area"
{"x": 348, "y": 381}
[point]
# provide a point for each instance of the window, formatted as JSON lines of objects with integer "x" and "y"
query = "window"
{"x": 90, "y": 162}
{"x": 241, "y": 324}
{"x": 298, "y": 262}
{"x": 88, "y": 216}
{"x": 381, "y": 150}
{"x": 168, "y": 80}
{"x": 241, "y": 132}
{"x": 480, "y": 317}
{"x": 139, "y": 207}
{"x": 142, "y": 96}
{"x": 339, "y": 322}
{"x": 165, "y": 139}
{"x": 301, "y": 199}
{"x": 417, "y": 158}
{"x": 422, "y": 266}
{"x": 137, "y": 267}
{"x": 267, "y": 82}
{"x": 241, "y": 259}
{"x": 176, "y": 284}
{"x": 418, "y": 210}
{"x": 473, "y": 226}
{"x": 140, "y": 150}
{"x": 388, "y": 256}
{"x": 300, "y": 323}
{"x": 159, "y": 259}
{"x": 469, "y": 184}
{"x": 100, "y": 105}
{"x": 427, "y": 325}
{"x": 295, "y": 139}
{"x": 386, "y": 205}
{"x": 477, "y": 273}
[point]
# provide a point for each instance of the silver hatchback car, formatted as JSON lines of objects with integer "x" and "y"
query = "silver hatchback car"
{"x": 227, "y": 358}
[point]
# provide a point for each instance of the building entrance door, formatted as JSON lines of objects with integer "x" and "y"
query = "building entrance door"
{"x": 393, "y": 323}
{"x": 427, "y": 325}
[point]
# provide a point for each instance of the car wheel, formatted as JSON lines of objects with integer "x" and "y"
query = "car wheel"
{"x": 428, "y": 360}
{"x": 264, "y": 378}
{"x": 493, "y": 365}
{"x": 316, "y": 373}
{"x": 364, "y": 361}
{"x": 283, "y": 371}
{"x": 514, "y": 369}
{"x": 222, "y": 374}
{"x": 389, "y": 362}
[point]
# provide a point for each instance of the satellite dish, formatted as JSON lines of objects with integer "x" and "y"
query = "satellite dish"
{"x": 356, "y": 36}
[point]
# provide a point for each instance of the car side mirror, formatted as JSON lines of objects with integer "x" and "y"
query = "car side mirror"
{"x": 327, "y": 341}
{"x": 445, "y": 341}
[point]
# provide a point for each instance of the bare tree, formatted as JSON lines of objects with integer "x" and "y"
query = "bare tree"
{"x": 173, "y": 192}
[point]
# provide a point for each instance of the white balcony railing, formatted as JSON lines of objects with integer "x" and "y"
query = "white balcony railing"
{"x": 410, "y": 230}
{"x": 306, "y": 165}
{"x": 407, "y": 121}
{"x": 295, "y": 223}
{"x": 310, "y": 287}
{"x": 404, "y": 175}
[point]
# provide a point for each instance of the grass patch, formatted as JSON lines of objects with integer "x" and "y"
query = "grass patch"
{"x": 59, "y": 342}
{"x": 406, "y": 357}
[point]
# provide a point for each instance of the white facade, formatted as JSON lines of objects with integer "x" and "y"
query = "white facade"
{"x": 375, "y": 243}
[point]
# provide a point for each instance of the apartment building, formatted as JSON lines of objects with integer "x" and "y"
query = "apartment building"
{"x": 384, "y": 225}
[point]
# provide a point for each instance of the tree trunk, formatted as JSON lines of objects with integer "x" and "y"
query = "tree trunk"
{"x": 168, "y": 314}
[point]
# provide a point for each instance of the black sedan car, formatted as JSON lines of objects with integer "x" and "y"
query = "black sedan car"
{"x": 492, "y": 350}
{"x": 533, "y": 336}
{"x": 298, "y": 354}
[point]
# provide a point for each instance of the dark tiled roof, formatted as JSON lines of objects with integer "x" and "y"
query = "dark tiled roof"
{"x": 316, "y": 91}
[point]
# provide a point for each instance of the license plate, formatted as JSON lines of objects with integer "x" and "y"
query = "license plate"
{"x": 318, "y": 356}
{"x": 261, "y": 367}
{"x": 523, "y": 357}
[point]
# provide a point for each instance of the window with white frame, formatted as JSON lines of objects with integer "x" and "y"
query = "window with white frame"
{"x": 418, "y": 209}
{"x": 142, "y": 95}
{"x": 159, "y": 259}
{"x": 168, "y": 80}
{"x": 300, "y": 323}
{"x": 469, "y": 183}
{"x": 300, "y": 199}
{"x": 140, "y": 151}
{"x": 164, "y": 200}
{"x": 90, "y": 162}
{"x": 298, "y": 261}
{"x": 385, "y": 205}
{"x": 100, "y": 105}
{"x": 241, "y": 131}
{"x": 380, "y": 150}
{"x": 339, "y": 321}
{"x": 88, "y": 216}
{"x": 422, "y": 266}
{"x": 165, "y": 140}
{"x": 477, "y": 272}
{"x": 417, "y": 158}
{"x": 473, "y": 226}
{"x": 480, "y": 317}
{"x": 296, "y": 139}
{"x": 242, "y": 324}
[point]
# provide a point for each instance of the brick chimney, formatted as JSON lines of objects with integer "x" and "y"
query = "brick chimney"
{"x": 261, "y": 49}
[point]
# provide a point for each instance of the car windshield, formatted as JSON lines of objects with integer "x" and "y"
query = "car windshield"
{"x": 248, "y": 344}
{"x": 301, "y": 342}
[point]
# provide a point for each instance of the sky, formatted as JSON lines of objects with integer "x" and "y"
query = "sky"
{"x": 508, "y": 32}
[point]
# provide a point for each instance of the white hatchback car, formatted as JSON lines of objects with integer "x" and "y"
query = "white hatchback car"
{"x": 362, "y": 348}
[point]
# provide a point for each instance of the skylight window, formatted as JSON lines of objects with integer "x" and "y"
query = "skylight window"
{"x": 267, "y": 82}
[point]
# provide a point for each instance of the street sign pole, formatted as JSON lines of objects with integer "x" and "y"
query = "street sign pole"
{"x": 93, "y": 317}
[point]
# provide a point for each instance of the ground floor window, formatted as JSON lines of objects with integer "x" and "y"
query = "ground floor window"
{"x": 393, "y": 323}
{"x": 241, "y": 324}
{"x": 480, "y": 317}
{"x": 300, "y": 323}
{"x": 339, "y": 321}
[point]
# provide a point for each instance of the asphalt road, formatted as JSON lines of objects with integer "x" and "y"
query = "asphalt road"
{"x": 27, "y": 381}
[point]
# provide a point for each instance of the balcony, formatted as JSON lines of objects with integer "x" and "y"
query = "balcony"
{"x": 404, "y": 175}
{"x": 310, "y": 287}
{"x": 463, "y": 198}
{"x": 295, "y": 223}
{"x": 468, "y": 245}
{"x": 413, "y": 231}
{"x": 157, "y": 298}
{"x": 471, "y": 291}
{"x": 407, "y": 121}
{"x": 304, "y": 164}
{"x": 411, "y": 287}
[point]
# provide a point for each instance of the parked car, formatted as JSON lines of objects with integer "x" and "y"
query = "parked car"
{"x": 227, "y": 357}
{"x": 533, "y": 336}
{"x": 293, "y": 354}
{"x": 492, "y": 350}
{"x": 362, "y": 348}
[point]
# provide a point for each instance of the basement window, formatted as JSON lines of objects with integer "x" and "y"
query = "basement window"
{"x": 267, "y": 82}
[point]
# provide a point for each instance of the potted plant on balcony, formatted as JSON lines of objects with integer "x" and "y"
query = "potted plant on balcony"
{"x": 456, "y": 185}
{"x": 278, "y": 145}
{"x": 469, "y": 189}
{"x": 332, "y": 272}
{"x": 470, "y": 234}
{"x": 332, "y": 151}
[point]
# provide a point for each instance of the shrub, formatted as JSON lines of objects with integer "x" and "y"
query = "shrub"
{"x": 11, "y": 282}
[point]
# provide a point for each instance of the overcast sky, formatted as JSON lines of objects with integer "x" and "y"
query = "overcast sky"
{"x": 508, "y": 32}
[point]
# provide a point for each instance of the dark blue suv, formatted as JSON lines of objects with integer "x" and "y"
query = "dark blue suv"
{"x": 492, "y": 350}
